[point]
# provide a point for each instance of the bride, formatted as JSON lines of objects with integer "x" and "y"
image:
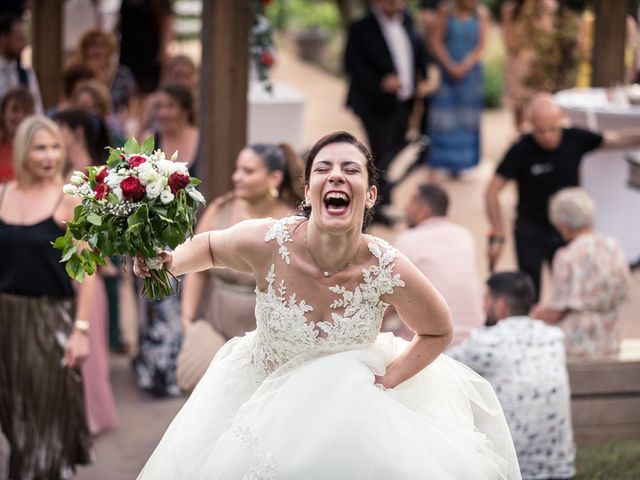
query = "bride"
{"x": 316, "y": 392}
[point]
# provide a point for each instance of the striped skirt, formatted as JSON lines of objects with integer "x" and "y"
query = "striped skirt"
{"x": 41, "y": 402}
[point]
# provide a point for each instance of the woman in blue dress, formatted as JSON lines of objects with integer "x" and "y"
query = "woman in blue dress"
{"x": 454, "y": 118}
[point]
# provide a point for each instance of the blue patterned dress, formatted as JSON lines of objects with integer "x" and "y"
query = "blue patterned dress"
{"x": 454, "y": 118}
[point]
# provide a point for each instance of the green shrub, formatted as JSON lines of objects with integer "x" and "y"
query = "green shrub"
{"x": 615, "y": 460}
{"x": 493, "y": 82}
{"x": 304, "y": 15}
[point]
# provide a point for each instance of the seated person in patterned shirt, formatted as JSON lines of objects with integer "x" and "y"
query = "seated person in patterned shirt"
{"x": 524, "y": 360}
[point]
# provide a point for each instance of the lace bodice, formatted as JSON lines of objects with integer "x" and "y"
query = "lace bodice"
{"x": 284, "y": 334}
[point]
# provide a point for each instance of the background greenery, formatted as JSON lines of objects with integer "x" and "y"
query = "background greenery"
{"x": 618, "y": 460}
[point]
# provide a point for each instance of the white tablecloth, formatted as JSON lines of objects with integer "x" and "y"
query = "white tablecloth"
{"x": 276, "y": 117}
{"x": 605, "y": 173}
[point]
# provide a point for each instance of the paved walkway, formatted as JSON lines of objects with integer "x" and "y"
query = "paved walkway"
{"x": 122, "y": 453}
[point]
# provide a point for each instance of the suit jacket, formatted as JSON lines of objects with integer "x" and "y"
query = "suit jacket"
{"x": 368, "y": 59}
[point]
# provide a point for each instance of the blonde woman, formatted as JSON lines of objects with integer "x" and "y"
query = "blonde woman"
{"x": 43, "y": 321}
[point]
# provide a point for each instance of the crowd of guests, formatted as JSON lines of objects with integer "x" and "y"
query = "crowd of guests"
{"x": 504, "y": 334}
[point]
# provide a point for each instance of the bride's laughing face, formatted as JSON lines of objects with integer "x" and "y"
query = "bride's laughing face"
{"x": 338, "y": 187}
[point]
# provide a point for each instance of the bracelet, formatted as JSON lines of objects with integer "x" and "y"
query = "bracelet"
{"x": 82, "y": 326}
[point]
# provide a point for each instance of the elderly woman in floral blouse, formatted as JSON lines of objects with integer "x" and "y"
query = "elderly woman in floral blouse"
{"x": 590, "y": 279}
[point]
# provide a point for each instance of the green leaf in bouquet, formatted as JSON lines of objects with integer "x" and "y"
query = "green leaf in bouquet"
{"x": 162, "y": 213}
{"x": 63, "y": 240}
{"x": 74, "y": 268}
{"x": 172, "y": 236}
{"x": 94, "y": 219}
{"x": 77, "y": 213}
{"x": 195, "y": 181}
{"x": 92, "y": 240}
{"x": 131, "y": 146}
{"x": 69, "y": 252}
{"x": 88, "y": 262}
{"x": 147, "y": 145}
{"x": 138, "y": 218}
{"x": 115, "y": 157}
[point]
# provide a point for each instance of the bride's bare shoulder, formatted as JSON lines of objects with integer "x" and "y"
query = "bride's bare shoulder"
{"x": 254, "y": 237}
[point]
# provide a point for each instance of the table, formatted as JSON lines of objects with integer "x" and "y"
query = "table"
{"x": 605, "y": 173}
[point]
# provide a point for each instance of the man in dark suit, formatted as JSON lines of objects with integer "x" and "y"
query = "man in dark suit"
{"x": 385, "y": 59}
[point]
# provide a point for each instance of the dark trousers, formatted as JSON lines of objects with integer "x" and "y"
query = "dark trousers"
{"x": 535, "y": 244}
{"x": 386, "y": 132}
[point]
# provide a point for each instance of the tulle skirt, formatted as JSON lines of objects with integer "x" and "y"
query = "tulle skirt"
{"x": 324, "y": 418}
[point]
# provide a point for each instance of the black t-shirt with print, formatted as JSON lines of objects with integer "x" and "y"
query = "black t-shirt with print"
{"x": 541, "y": 173}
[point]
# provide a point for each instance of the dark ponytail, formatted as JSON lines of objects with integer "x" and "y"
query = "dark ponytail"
{"x": 291, "y": 189}
{"x": 283, "y": 158}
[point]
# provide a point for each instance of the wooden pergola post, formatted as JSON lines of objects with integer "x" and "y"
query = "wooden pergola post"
{"x": 223, "y": 91}
{"x": 608, "y": 50}
{"x": 46, "y": 44}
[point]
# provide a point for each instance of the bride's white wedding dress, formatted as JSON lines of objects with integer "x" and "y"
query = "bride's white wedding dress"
{"x": 297, "y": 400}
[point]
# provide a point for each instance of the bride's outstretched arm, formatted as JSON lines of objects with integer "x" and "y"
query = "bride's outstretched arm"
{"x": 424, "y": 311}
{"x": 238, "y": 248}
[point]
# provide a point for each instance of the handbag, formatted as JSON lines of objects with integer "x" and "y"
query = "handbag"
{"x": 199, "y": 345}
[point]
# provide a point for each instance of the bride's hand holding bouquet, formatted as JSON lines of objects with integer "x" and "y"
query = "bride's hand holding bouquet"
{"x": 140, "y": 204}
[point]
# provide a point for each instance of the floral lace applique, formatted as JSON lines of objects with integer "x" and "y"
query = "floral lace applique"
{"x": 283, "y": 333}
{"x": 263, "y": 466}
{"x": 279, "y": 231}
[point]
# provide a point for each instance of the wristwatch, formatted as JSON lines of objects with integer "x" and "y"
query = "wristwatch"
{"x": 82, "y": 326}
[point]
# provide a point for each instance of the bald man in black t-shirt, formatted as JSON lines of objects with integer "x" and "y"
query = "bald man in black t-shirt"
{"x": 542, "y": 162}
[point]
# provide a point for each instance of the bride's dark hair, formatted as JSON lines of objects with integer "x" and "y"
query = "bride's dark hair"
{"x": 342, "y": 137}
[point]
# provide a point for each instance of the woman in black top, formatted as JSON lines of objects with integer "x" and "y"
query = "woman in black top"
{"x": 43, "y": 334}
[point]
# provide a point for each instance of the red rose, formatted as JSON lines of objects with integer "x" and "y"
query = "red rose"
{"x": 135, "y": 160}
{"x": 102, "y": 175}
{"x": 101, "y": 190}
{"x": 132, "y": 189}
{"x": 266, "y": 58}
{"x": 178, "y": 181}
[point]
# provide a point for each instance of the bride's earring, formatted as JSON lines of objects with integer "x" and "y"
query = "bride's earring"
{"x": 306, "y": 203}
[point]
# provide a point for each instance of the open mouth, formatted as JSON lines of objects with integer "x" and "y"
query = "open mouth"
{"x": 336, "y": 203}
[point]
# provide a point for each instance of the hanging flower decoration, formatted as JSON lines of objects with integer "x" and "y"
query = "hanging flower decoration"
{"x": 261, "y": 43}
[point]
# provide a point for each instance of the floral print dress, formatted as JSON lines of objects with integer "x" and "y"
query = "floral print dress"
{"x": 590, "y": 280}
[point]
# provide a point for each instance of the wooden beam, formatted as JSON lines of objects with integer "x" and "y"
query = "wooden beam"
{"x": 223, "y": 91}
{"x": 608, "y": 51}
{"x": 47, "y": 47}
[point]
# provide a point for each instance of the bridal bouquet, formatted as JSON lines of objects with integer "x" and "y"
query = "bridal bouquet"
{"x": 140, "y": 202}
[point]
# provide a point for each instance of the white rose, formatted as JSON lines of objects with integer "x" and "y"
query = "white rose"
{"x": 70, "y": 189}
{"x": 145, "y": 167}
{"x": 117, "y": 191}
{"x": 181, "y": 167}
{"x": 77, "y": 178}
{"x": 85, "y": 189}
{"x": 166, "y": 167}
{"x": 154, "y": 189}
{"x": 196, "y": 195}
{"x": 166, "y": 196}
{"x": 113, "y": 180}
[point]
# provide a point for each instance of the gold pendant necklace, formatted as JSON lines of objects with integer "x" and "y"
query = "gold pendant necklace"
{"x": 326, "y": 273}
